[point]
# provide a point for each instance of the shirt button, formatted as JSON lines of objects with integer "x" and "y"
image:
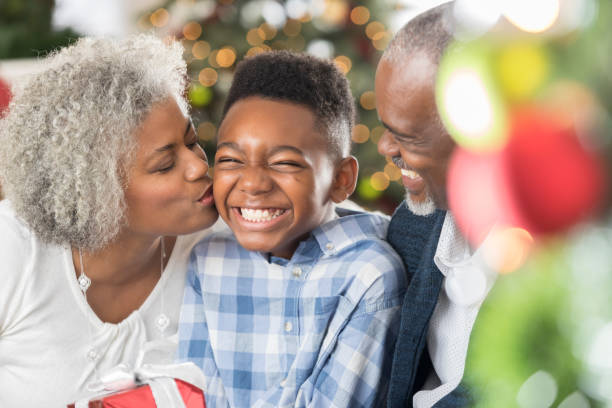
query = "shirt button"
{"x": 92, "y": 355}
{"x": 297, "y": 271}
{"x": 283, "y": 382}
{"x": 288, "y": 326}
{"x": 329, "y": 246}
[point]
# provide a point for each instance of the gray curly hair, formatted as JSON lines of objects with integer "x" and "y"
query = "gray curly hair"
{"x": 67, "y": 141}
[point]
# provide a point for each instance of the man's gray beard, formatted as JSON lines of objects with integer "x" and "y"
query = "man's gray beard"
{"x": 426, "y": 207}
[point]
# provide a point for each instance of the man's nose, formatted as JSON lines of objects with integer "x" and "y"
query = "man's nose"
{"x": 387, "y": 146}
{"x": 255, "y": 180}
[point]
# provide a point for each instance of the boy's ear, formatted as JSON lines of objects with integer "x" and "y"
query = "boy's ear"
{"x": 345, "y": 179}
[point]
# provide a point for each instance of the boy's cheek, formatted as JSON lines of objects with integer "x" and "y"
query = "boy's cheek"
{"x": 221, "y": 190}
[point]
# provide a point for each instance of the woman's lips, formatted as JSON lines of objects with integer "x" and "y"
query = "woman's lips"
{"x": 207, "y": 198}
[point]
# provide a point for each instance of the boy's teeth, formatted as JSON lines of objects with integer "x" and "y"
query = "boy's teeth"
{"x": 258, "y": 215}
{"x": 411, "y": 174}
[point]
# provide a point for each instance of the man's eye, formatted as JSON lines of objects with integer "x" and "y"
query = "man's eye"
{"x": 191, "y": 146}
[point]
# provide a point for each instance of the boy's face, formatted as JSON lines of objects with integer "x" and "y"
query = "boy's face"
{"x": 273, "y": 175}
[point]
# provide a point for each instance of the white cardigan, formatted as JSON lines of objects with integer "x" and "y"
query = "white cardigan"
{"x": 47, "y": 329}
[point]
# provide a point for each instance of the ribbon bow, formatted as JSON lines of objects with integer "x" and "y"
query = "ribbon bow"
{"x": 160, "y": 379}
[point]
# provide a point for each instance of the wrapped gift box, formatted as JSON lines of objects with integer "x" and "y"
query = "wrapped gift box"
{"x": 142, "y": 397}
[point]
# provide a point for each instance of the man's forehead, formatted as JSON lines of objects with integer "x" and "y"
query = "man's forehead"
{"x": 414, "y": 68}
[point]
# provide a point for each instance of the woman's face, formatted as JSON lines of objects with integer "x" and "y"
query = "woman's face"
{"x": 169, "y": 191}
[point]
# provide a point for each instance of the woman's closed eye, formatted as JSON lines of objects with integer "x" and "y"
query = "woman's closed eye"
{"x": 165, "y": 168}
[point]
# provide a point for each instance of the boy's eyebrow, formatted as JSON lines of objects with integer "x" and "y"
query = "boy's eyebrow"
{"x": 274, "y": 150}
{"x": 285, "y": 147}
{"x": 231, "y": 145}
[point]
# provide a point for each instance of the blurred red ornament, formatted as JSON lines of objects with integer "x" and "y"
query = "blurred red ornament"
{"x": 5, "y": 95}
{"x": 544, "y": 180}
{"x": 555, "y": 179}
{"x": 479, "y": 193}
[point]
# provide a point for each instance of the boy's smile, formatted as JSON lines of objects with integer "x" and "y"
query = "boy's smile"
{"x": 273, "y": 177}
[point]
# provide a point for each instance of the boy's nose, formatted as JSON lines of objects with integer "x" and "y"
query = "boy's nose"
{"x": 387, "y": 146}
{"x": 255, "y": 180}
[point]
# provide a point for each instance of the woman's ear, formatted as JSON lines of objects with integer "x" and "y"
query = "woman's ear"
{"x": 345, "y": 179}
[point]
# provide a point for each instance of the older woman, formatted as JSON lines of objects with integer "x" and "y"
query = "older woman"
{"x": 107, "y": 191}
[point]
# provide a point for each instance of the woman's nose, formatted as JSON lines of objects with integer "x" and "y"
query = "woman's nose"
{"x": 197, "y": 166}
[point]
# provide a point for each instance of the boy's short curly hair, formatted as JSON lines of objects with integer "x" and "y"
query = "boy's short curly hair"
{"x": 67, "y": 140}
{"x": 304, "y": 80}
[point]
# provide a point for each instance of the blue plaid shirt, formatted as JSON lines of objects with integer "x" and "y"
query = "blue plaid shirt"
{"x": 317, "y": 330}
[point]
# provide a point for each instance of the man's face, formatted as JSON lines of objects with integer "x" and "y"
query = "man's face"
{"x": 415, "y": 138}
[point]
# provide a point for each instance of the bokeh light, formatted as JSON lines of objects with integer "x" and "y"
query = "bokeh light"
{"x": 467, "y": 99}
{"x": 376, "y": 134}
{"x": 296, "y": 9}
{"x": 468, "y": 107}
{"x": 226, "y": 57}
{"x": 267, "y": 31}
{"x": 274, "y": 13}
{"x": 255, "y": 36}
{"x": 475, "y": 17}
{"x": 548, "y": 164}
{"x": 335, "y": 12}
{"x": 532, "y": 16}
{"x": 367, "y": 100}
{"x": 479, "y": 193}
{"x": 343, "y": 63}
{"x": 200, "y": 49}
{"x": 200, "y": 96}
{"x": 192, "y": 30}
{"x": 539, "y": 390}
{"x": 208, "y": 77}
{"x": 381, "y": 39}
{"x": 506, "y": 249}
{"x": 206, "y": 131}
{"x": 361, "y": 133}
{"x": 393, "y": 172}
{"x": 360, "y": 15}
{"x": 159, "y": 17}
{"x": 374, "y": 28}
{"x": 379, "y": 181}
{"x": 522, "y": 68}
{"x": 321, "y": 48}
{"x": 365, "y": 189}
{"x": 212, "y": 59}
{"x": 292, "y": 28}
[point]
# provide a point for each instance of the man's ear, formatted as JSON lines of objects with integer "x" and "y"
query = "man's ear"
{"x": 345, "y": 179}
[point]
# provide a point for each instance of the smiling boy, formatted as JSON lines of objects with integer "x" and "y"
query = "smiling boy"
{"x": 299, "y": 304}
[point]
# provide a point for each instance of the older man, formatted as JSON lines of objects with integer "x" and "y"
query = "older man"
{"x": 435, "y": 329}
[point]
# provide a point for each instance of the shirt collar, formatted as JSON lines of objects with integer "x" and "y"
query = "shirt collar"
{"x": 453, "y": 249}
{"x": 349, "y": 228}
